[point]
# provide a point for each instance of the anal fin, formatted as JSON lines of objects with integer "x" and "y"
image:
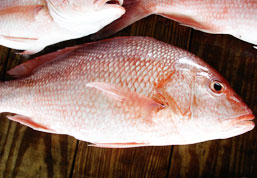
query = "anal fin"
{"x": 30, "y": 123}
{"x": 118, "y": 145}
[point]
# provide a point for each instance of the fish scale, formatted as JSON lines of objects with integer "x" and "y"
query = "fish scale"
{"x": 12, "y": 3}
{"x": 114, "y": 99}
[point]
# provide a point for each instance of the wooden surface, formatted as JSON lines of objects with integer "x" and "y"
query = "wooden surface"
{"x": 28, "y": 153}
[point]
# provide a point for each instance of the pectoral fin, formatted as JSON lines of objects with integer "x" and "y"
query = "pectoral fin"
{"x": 118, "y": 145}
{"x": 123, "y": 95}
{"x": 30, "y": 123}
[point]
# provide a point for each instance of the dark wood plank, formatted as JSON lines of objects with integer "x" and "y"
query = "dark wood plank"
{"x": 133, "y": 162}
{"x": 4, "y": 52}
{"x": 28, "y": 153}
{"x": 234, "y": 157}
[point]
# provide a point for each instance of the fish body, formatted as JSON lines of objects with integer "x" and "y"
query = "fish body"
{"x": 237, "y": 18}
{"x": 33, "y": 25}
{"x": 142, "y": 92}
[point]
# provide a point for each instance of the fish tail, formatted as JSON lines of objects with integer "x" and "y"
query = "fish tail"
{"x": 135, "y": 10}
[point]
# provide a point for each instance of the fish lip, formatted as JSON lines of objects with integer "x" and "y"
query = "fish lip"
{"x": 246, "y": 122}
{"x": 246, "y": 117}
{"x": 238, "y": 125}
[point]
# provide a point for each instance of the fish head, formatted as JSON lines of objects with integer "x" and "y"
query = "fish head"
{"x": 84, "y": 17}
{"x": 202, "y": 104}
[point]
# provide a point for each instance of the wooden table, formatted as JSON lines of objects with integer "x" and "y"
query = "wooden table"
{"x": 31, "y": 154}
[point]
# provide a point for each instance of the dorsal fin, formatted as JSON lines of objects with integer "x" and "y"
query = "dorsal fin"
{"x": 25, "y": 69}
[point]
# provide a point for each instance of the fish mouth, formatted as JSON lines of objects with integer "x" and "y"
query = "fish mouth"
{"x": 240, "y": 125}
{"x": 247, "y": 117}
{"x": 245, "y": 121}
{"x": 100, "y": 4}
{"x": 118, "y": 2}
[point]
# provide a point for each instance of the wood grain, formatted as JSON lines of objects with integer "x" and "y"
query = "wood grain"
{"x": 4, "y": 52}
{"x": 133, "y": 162}
{"x": 28, "y": 153}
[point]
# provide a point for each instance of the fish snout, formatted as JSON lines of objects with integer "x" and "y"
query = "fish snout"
{"x": 239, "y": 106}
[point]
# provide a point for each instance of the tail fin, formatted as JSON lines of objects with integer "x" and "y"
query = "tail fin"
{"x": 135, "y": 10}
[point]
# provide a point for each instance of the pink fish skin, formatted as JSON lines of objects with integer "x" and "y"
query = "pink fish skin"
{"x": 142, "y": 92}
{"x": 15, "y": 3}
{"x": 237, "y": 18}
{"x": 32, "y": 25}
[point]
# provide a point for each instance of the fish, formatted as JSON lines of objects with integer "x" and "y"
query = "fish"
{"x": 142, "y": 92}
{"x": 32, "y": 25}
{"x": 237, "y": 18}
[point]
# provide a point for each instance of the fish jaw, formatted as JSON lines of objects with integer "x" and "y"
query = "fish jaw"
{"x": 190, "y": 133}
{"x": 195, "y": 130}
{"x": 238, "y": 125}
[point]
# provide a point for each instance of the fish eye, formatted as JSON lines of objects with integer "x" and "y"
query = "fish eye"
{"x": 217, "y": 87}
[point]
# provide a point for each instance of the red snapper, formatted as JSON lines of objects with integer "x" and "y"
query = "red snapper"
{"x": 141, "y": 92}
